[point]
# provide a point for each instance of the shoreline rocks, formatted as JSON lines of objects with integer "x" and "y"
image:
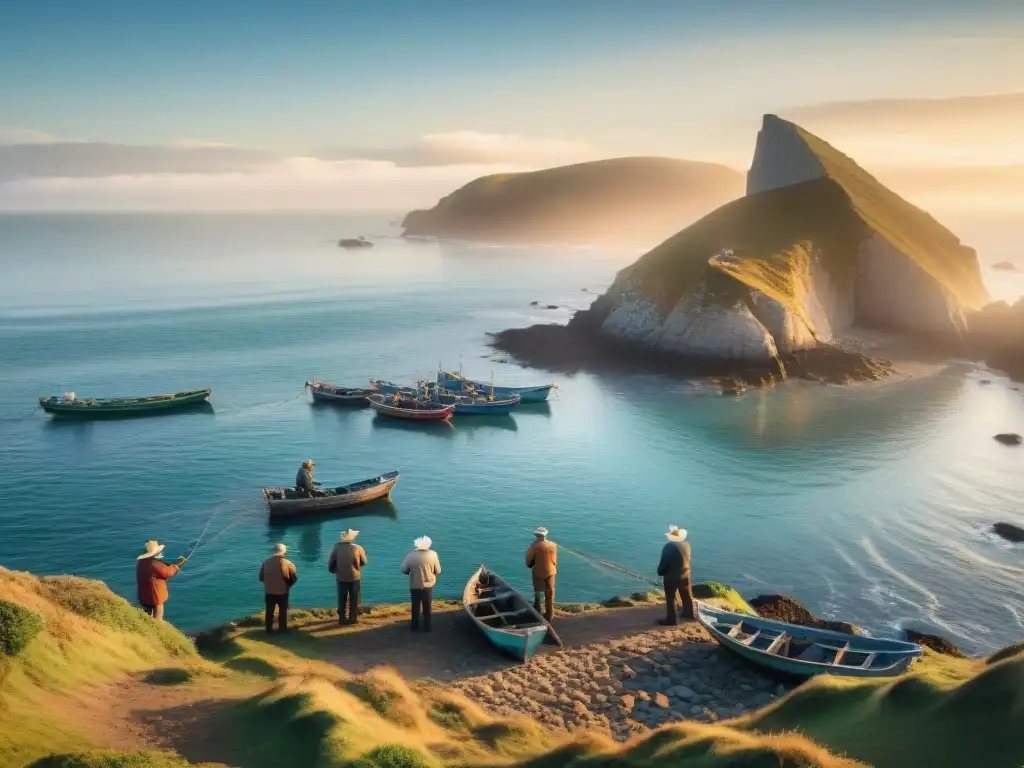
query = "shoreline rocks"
{"x": 790, "y": 610}
{"x": 937, "y": 643}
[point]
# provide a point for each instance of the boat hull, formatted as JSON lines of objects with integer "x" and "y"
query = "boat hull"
{"x": 537, "y": 394}
{"x": 836, "y": 653}
{"x": 423, "y": 412}
{"x": 323, "y": 392}
{"x": 125, "y": 406}
{"x": 520, "y": 642}
{"x": 343, "y": 497}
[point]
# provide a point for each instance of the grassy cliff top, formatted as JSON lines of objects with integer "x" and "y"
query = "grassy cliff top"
{"x": 600, "y": 199}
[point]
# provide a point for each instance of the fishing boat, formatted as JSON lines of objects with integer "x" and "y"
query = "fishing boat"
{"x": 806, "y": 651}
{"x": 390, "y": 388}
{"x": 411, "y": 408}
{"x": 285, "y": 502}
{"x": 507, "y": 619}
{"x": 327, "y": 393}
{"x": 69, "y": 404}
{"x": 455, "y": 381}
{"x": 474, "y": 405}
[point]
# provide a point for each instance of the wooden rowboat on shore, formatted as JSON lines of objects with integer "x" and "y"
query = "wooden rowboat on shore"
{"x": 410, "y": 408}
{"x": 284, "y": 502}
{"x": 69, "y": 404}
{"x": 806, "y": 651}
{"x": 323, "y": 392}
{"x": 507, "y": 619}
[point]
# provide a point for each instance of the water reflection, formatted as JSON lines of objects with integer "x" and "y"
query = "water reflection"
{"x": 309, "y": 547}
{"x": 432, "y": 428}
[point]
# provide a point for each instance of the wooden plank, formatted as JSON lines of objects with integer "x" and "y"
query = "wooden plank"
{"x": 750, "y": 638}
{"x": 776, "y": 643}
{"x": 867, "y": 662}
{"x": 840, "y": 653}
{"x": 500, "y": 596}
{"x": 502, "y": 614}
{"x": 735, "y": 629}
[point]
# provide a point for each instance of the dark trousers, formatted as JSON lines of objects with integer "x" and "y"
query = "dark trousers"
{"x": 682, "y": 588}
{"x": 348, "y": 596}
{"x": 421, "y": 601}
{"x": 547, "y": 587}
{"x": 280, "y": 602}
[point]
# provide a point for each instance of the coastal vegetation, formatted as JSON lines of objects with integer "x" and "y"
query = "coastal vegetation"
{"x": 626, "y": 200}
{"x": 96, "y": 684}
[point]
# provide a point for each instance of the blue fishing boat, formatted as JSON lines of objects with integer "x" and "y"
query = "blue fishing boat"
{"x": 506, "y": 618}
{"x": 455, "y": 381}
{"x": 806, "y": 651}
{"x": 473, "y": 405}
{"x": 390, "y": 388}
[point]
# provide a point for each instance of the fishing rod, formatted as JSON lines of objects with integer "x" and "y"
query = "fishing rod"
{"x": 608, "y": 564}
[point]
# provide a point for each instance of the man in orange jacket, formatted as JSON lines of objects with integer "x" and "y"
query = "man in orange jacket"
{"x": 151, "y": 575}
{"x": 542, "y": 559}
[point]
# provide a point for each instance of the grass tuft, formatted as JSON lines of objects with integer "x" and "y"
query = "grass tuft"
{"x": 113, "y": 759}
{"x": 18, "y": 627}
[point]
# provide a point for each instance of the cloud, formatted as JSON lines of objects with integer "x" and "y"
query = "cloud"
{"x": 10, "y": 134}
{"x": 472, "y": 148}
{"x": 297, "y": 183}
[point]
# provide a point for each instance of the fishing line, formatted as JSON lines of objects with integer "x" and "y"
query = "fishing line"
{"x": 608, "y": 564}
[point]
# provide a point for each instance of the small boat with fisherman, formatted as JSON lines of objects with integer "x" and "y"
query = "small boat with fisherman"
{"x": 323, "y": 392}
{"x": 507, "y": 619}
{"x": 287, "y": 502}
{"x": 399, "y": 406}
{"x": 69, "y": 404}
{"x": 473, "y": 405}
{"x": 806, "y": 651}
{"x": 457, "y": 382}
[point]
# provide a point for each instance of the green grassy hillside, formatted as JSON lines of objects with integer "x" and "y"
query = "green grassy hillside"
{"x": 617, "y": 199}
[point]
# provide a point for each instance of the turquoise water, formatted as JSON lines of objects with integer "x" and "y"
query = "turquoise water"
{"x": 868, "y": 503}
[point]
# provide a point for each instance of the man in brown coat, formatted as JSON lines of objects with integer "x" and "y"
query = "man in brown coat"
{"x": 278, "y": 576}
{"x": 674, "y": 569}
{"x": 542, "y": 558}
{"x": 345, "y": 562}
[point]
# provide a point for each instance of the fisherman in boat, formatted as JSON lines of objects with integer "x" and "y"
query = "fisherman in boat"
{"x": 542, "y": 559}
{"x": 151, "y": 575}
{"x": 674, "y": 569}
{"x": 304, "y": 482}
{"x": 345, "y": 562}
{"x": 423, "y": 567}
{"x": 278, "y": 576}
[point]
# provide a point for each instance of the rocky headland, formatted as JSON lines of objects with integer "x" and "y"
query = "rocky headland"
{"x": 620, "y": 201}
{"x": 778, "y": 281}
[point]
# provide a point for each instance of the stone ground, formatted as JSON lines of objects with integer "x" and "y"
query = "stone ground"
{"x": 628, "y": 685}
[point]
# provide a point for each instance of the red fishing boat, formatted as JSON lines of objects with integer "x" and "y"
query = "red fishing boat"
{"x": 413, "y": 408}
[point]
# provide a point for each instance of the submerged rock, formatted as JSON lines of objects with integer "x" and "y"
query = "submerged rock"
{"x": 1009, "y": 438}
{"x": 357, "y": 242}
{"x": 1009, "y": 531}
{"x": 937, "y": 643}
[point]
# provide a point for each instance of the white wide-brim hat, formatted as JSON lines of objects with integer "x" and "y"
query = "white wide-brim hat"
{"x": 348, "y": 535}
{"x": 542, "y": 531}
{"x": 675, "y": 533}
{"x": 423, "y": 542}
{"x": 153, "y": 548}
{"x": 280, "y": 549}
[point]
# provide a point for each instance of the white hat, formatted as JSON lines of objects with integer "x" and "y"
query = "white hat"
{"x": 542, "y": 531}
{"x": 280, "y": 549}
{"x": 675, "y": 533}
{"x": 153, "y": 549}
{"x": 308, "y": 463}
{"x": 423, "y": 542}
{"x": 348, "y": 535}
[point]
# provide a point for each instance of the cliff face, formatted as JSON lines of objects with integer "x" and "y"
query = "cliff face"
{"x": 817, "y": 245}
{"x": 622, "y": 200}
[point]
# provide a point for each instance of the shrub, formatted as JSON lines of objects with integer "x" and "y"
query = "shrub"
{"x": 391, "y": 756}
{"x": 18, "y": 626}
{"x": 112, "y": 759}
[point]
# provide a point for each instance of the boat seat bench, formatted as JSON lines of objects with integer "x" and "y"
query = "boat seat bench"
{"x": 502, "y": 615}
{"x": 499, "y": 596}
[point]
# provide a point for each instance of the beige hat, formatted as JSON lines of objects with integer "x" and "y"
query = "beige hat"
{"x": 308, "y": 463}
{"x": 153, "y": 548}
{"x": 423, "y": 542}
{"x": 542, "y": 531}
{"x": 280, "y": 549}
{"x": 675, "y": 533}
{"x": 348, "y": 535}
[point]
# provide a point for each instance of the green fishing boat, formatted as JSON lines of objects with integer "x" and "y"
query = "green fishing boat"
{"x": 69, "y": 404}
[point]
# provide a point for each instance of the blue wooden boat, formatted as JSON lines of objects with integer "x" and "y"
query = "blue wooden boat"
{"x": 70, "y": 405}
{"x": 506, "y": 618}
{"x": 328, "y": 393}
{"x": 806, "y": 651}
{"x": 455, "y": 381}
{"x": 390, "y": 388}
{"x": 474, "y": 405}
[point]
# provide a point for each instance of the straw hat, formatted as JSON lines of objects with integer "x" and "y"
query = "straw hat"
{"x": 280, "y": 549}
{"x": 348, "y": 535}
{"x": 423, "y": 542}
{"x": 675, "y": 533}
{"x": 153, "y": 548}
{"x": 542, "y": 531}
{"x": 308, "y": 463}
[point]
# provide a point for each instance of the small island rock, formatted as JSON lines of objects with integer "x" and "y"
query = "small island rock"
{"x": 1009, "y": 438}
{"x": 1005, "y": 266}
{"x": 792, "y": 611}
{"x": 1009, "y": 531}
{"x": 354, "y": 242}
{"x": 937, "y": 643}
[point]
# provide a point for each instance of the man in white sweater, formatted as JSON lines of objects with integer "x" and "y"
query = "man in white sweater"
{"x": 423, "y": 567}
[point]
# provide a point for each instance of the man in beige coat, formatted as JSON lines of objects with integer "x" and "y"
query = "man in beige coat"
{"x": 278, "y": 576}
{"x": 423, "y": 567}
{"x": 542, "y": 559}
{"x": 345, "y": 562}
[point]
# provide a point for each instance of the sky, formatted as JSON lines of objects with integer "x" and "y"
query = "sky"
{"x": 101, "y": 97}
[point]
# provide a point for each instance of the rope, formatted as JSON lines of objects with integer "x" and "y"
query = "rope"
{"x": 608, "y": 564}
{"x": 241, "y": 515}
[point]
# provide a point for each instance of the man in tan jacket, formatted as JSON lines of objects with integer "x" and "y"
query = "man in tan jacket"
{"x": 345, "y": 562}
{"x": 542, "y": 558}
{"x": 278, "y": 576}
{"x": 423, "y": 567}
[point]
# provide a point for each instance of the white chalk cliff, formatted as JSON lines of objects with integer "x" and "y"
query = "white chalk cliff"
{"x": 816, "y": 246}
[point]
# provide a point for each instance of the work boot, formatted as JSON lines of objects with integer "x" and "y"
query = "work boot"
{"x": 668, "y": 622}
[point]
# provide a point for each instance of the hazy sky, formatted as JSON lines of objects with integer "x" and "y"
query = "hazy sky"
{"x": 436, "y": 84}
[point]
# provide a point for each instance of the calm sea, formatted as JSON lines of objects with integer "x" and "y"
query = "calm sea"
{"x": 868, "y": 503}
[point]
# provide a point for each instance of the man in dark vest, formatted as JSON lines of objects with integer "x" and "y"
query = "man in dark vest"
{"x": 674, "y": 569}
